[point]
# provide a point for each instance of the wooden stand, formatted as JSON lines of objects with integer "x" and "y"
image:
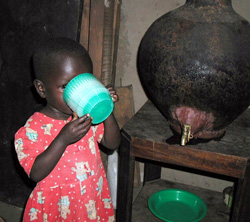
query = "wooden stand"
{"x": 144, "y": 138}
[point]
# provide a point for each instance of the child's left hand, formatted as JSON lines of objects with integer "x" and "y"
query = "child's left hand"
{"x": 113, "y": 94}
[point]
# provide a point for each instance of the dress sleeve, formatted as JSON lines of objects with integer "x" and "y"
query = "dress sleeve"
{"x": 98, "y": 131}
{"x": 27, "y": 147}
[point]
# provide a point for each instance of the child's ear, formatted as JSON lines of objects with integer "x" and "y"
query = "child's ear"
{"x": 39, "y": 87}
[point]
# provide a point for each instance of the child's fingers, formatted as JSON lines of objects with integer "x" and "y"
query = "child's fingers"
{"x": 115, "y": 98}
{"x": 80, "y": 120}
{"x": 87, "y": 123}
{"x": 84, "y": 127}
{"x": 111, "y": 89}
{"x": 74, "y": 116}
{"x": 84, "y": 118}
{"x": 113, "y": 94}
{"x": 108, "y": 86}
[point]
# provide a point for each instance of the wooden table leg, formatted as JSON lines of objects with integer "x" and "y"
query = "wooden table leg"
{"x": 241, "y": 201}
{"x": 151, "y": 172}
{"x": 125, "y": 182}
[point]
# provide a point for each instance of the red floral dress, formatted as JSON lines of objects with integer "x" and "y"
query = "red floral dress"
{"x": 77, "y": 188}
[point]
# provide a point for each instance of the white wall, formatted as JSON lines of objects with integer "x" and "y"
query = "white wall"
{"x": 136, "y": 17}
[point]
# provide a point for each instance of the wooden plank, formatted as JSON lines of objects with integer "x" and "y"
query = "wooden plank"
{"x": 96, "y": 36}
{"x": 124, "y": 108}
{"x": 233, "y": 166}
{"x": 125, "y": 182}
{"x": 110, "y": 41}
{"x": 116, "y": 27}
{"x": 137, "y": 175}
{"x": 107, "y": 42}
{"x": 85, "y": 25}
{"x": 241, "y": 200}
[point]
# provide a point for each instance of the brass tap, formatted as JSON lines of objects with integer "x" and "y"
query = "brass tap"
{"x": 186, "y": 134}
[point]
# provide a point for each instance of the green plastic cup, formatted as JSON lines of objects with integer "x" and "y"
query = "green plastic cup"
{"x": 86, "y": 94}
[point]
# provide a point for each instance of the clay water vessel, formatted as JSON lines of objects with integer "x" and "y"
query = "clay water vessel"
{"x": 194, "y": 65}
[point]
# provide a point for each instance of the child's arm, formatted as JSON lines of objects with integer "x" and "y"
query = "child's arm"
{"x": 47, "y": 160}
{"x": 112, "y": 136}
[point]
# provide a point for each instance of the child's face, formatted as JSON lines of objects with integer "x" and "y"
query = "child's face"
{"x": 55, "y": 83}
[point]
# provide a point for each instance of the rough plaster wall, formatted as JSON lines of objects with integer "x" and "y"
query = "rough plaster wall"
{"x": 136, "y": 17}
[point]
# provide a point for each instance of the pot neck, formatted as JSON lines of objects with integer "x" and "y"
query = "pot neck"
{"x": 200, "y": 3}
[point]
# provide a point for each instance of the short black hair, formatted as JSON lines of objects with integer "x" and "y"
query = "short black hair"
{"x": 48, "y": 50}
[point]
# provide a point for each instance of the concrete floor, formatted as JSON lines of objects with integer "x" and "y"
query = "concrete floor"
{"x": 10, "y": 213}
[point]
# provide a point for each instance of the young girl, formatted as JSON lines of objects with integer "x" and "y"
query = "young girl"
{"x": 58, "y": 150}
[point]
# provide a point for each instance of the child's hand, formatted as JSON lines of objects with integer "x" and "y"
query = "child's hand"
{"x": 113, "y": 94}
{"x": 75, "y": 129}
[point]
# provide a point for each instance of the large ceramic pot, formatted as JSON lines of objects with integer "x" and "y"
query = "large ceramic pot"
{"x": 194, "y": 65}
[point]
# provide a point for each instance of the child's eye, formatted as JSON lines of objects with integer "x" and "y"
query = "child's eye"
{"x": 64, "y": 86}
